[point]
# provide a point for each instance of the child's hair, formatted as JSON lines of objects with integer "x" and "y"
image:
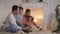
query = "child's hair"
{"x": 31, "y": 17}
{"x": 27, "y": 10}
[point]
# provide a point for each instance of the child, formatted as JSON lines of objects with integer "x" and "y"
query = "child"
{"x": 31, "y": 22}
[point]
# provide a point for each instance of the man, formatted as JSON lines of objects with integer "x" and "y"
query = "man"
{"x": 10, "y": 24}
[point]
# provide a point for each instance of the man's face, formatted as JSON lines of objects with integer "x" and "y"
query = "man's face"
{"x": 21, "y": 11}
{"x": 17, "y": 11}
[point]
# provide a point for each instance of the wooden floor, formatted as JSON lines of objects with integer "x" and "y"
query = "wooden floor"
{"x": 37, "y": 32}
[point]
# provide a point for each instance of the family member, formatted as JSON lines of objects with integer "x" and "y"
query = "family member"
{"x": 27, "y": 14}
{"x": 19, "y": 17}
{"x": 31, "y": 22}
{"x": 10, "y": 23}
{"x": 25, "y": 17}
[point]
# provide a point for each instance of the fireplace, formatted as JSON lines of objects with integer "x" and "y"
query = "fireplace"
{"x": 37, "y": 11}
{"x": 38, "y": 15}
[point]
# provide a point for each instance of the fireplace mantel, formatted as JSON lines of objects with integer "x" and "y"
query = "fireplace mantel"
{"x": 33, "y": 5}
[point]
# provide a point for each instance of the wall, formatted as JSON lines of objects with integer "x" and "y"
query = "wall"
{"x": 50, "y": 11}
{"x": 6, "y": 9}
{"x": 2, "y": 11}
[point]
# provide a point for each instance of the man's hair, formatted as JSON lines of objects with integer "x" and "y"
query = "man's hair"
{"x": 14, "y": 7}
{"x": 27, "y": 10}
{"x": 20, "y": 8}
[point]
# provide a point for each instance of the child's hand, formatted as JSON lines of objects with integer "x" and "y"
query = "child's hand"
{"x": 37, "y": 27}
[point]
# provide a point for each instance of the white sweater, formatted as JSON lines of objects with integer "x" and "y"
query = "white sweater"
{"x": 11, "y": 20}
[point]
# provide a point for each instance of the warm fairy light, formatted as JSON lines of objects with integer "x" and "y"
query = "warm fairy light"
{"x": 38, "y": 13}
{"x": 40, "y": 16}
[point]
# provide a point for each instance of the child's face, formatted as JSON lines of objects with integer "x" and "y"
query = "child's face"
{"x": 28, "y": 14}
{"x": 21, "y": 11}
{"x": 30, "y": 19}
